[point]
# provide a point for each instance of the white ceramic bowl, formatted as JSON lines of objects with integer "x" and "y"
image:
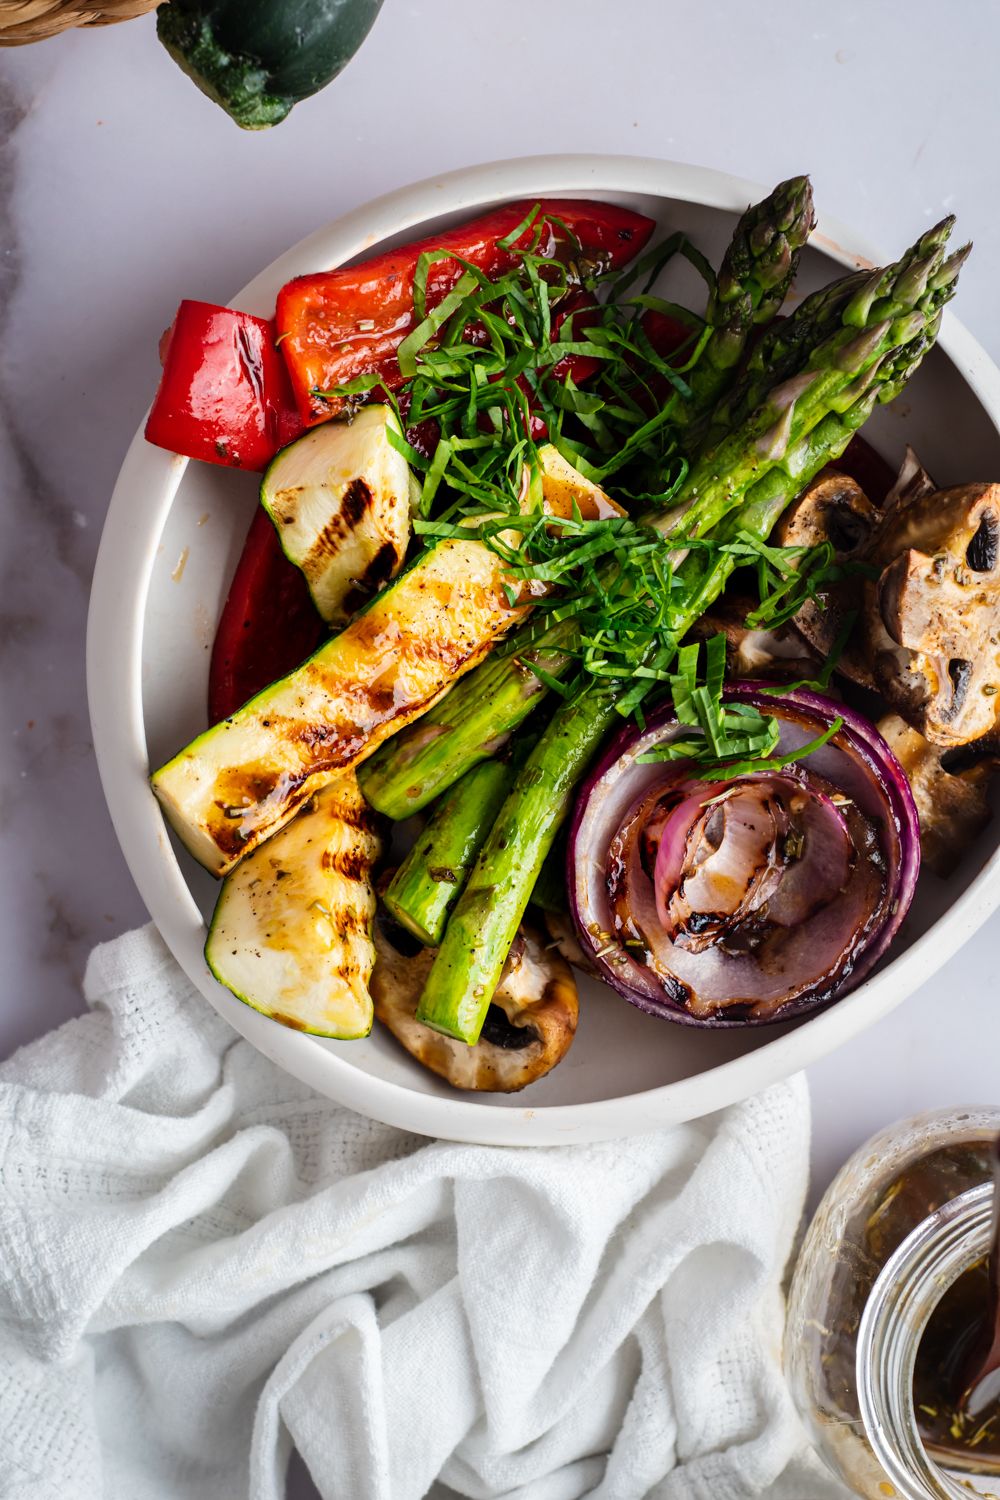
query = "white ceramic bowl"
{"x": 152, "y": 622}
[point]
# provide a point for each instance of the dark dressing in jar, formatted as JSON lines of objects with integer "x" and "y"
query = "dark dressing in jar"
{"x": 954, "y": 1435}
{"x": 907, "y": 1218}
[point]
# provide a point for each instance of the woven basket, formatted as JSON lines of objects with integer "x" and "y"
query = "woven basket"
{"x": 33, "y": 20}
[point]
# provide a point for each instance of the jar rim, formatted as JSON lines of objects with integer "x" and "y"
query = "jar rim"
{"x": 908, "y": 1288}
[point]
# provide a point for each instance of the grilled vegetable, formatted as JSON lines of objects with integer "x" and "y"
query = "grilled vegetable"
{"x": 751, "y": 898}
{"x": 847, "y": 374}
{"x": 952, "y": 799}
{"x": 224, "y": 394}
{"x": 530, "y": 1021}
{"x": 779, "y": 655}
{"x": 888, "y": 323}
{"x": 342, "y": 324}
{"x": 756, "y": 273}
{"x": 565, "y": 491}
{"x": 291, "y": 934}
{"x": 258, "y": 58}
{"x": 933, "y": 616}
{"x": 240, "y": 781}
{"x": 476, "y": 942}
{"x": 526, "y": 380}
{"x": 340, "y": 500}
{"x": 836, "y": 510}
{"x": 843, "y": 509}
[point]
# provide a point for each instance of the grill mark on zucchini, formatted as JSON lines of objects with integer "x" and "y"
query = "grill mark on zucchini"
{"x": 356, "y": 815}
{"x": 233, "y": 820}
{"x": 357, "y": 498}
{"x": 377, "y": 573}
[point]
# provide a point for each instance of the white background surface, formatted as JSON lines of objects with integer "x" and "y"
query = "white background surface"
{"x": 124, "y": 190}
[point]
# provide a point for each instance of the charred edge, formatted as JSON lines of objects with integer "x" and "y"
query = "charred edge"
{"x": 676, "y": 991}
{"x": 381, "y": 697}
{"x": 362, "y": 819}
{"x": 352, "y": 864}
{"x": 379, "y": 570}
{"x": 348, "y": 924}
{"x": 287, "y": 1020}
{"x": 330, "y": 745}
{"x": 238, "y": 804}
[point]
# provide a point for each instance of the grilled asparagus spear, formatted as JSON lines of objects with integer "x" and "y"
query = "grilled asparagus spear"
{"x": 785, "y": 346}
{"x": 482, "y": 926}
{"x": 429, "y": 881}
{"x": 756, "y": 272}
{"x": 754, "y": 277}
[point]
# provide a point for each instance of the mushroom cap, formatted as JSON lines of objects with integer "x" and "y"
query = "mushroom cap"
{"x": 912, "y": 482}
{"x": 835, "y": 509}
{"x": 933, "y": 616}
{"x": 952, "y": 803}
{"x": 528, "y": 1029}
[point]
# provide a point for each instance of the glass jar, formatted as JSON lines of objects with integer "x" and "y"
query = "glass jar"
{"x": 903, "y": 1219}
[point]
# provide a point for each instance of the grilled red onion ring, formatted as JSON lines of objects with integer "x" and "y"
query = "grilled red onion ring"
{"x": 741, "y": 902}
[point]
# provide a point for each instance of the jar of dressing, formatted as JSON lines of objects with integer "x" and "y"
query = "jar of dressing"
{"x": 888, "y": 1291}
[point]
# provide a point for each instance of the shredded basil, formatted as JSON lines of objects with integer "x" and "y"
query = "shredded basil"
{"x": 731, "y": 739}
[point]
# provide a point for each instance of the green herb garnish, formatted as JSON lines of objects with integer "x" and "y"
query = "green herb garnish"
{"x": 732, "y": 739}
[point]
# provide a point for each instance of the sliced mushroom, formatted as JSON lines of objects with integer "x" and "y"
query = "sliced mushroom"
{"x": 835, "y": 509}
{"x": 781, "y": 654}
{"x": 528, "y": 1029}
{"x": 912, "y": 483}
{"x": 952, "y": 803}
{"x": 933, "y": 616}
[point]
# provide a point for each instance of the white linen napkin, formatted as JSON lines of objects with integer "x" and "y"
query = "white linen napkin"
{"x": 202, "y": 1262}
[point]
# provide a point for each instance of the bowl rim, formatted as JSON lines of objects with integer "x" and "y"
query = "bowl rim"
{"x": 115, "y": 627}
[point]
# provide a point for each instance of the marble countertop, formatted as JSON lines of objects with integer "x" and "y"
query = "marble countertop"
{"x": 122, "y": 189}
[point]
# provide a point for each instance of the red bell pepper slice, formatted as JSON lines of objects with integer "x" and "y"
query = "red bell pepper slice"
{"x": 224, "y": 394}
{"x": 269, "y": 623}
{"x": 337, "y": 325}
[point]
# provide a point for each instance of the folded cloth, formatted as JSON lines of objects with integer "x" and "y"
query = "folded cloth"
{"x": 204, "y": 1263}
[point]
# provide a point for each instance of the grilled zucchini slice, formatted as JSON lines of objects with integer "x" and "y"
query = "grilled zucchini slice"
{"x": 240, "y": 781}
{"x": 340, "y": 499}
{"x": 292, "y": 930}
